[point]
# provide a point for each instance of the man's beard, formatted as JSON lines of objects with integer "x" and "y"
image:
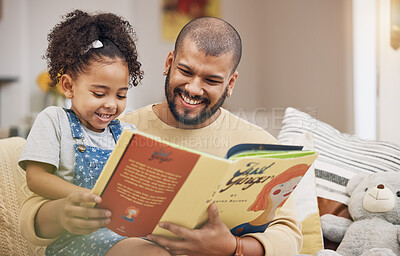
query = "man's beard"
{"x": 184, "y": 118}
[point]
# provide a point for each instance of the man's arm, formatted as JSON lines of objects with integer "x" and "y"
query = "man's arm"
{"x": 282, "y": 237}
{"x": 29, "y": 209}
{"x": 214, "y": 238}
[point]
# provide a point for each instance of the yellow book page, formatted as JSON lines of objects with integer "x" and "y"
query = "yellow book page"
{"x": 255, "y": 188}
{"x": 156, "y": 182}
{"x": 195, "y": 194}
{"x": 246, "y": 191}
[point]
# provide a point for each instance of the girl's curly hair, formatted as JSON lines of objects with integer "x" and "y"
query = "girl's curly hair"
{"x": 70, "y": 40}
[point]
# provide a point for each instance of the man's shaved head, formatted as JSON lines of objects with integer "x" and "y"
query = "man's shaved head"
{"x": 213, "y": 36}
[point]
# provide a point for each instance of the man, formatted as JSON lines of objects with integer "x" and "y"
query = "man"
{"x": 200, "y": 75}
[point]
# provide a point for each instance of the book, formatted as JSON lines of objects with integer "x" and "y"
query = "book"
{"x": 147, "y": 180}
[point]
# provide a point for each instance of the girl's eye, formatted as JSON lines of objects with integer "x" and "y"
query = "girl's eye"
{"x": 98, "y": 94}
{"x": 276, "y": 192}
{"x": 121, "y": 96}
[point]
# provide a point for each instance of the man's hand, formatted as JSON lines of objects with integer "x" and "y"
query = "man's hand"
{"x": 214, "y": 238}
{"x": 79, "y": 219}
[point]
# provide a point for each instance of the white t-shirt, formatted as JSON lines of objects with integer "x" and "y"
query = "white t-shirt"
{"x": 50, "y": 141}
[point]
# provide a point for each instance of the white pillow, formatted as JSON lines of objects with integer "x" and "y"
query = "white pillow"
{"x": 341, "y": 155}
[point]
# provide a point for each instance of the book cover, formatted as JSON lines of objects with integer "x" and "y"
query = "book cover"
{"x": 147, "y": 180}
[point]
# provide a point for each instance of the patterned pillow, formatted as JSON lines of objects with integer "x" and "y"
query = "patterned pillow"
{"x": 341, "y": 155}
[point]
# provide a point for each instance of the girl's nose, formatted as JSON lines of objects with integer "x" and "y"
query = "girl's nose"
{"x": 110, "y": 104}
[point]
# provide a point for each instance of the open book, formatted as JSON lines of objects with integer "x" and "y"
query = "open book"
{"x": 147, "y": 180}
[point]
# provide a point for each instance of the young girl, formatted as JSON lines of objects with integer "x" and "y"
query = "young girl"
{"x": 94, "y": 59}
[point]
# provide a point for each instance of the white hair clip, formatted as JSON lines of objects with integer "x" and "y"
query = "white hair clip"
{"x": 94, "y": 45}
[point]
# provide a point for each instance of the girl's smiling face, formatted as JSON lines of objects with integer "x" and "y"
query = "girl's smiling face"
{"x": 283, "y": 190}
{"x": 98, "y": 94}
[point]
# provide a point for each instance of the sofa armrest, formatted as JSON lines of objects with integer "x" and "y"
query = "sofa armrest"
{"x": 12, "y": 193}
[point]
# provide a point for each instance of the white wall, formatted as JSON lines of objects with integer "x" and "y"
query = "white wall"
{"x": 245, "y": 17}
{"x": 389, "y": 80}
{"x": 23, "y": 29}
{"x": 39, "y": 25}
{"x": 300, "y": 55}
{"x": 153, "y": 51}
{"x": 365, "y": 67}
{"x": 14, "y": 96}
{"x": 295, "y": 53}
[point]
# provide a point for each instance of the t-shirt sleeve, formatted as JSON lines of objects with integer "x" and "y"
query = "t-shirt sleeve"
{"x": 43, "y": 142}
{"x": 28, "y": 211}
{"x": 283, "y": 236}
{"x": 128, "y": 126}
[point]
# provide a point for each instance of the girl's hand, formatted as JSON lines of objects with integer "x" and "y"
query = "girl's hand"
{"x": 75, "y": 217}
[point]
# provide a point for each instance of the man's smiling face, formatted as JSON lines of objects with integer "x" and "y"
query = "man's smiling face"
{"x": 197, "y": 84}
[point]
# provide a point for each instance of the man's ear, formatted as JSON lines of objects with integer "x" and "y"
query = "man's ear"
{"x": 169, "y": 61}
{"x": 232, "y": 82}
{"x": 66, "y": 84}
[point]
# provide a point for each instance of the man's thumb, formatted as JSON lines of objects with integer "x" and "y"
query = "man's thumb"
{"x": 213, "y": 215}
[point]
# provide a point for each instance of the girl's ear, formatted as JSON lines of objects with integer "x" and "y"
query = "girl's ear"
{"x": 67, "y": 86}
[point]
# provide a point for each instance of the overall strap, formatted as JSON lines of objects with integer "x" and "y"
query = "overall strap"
{"x": 116, "y": 129}
{"x": 74, "y": 123}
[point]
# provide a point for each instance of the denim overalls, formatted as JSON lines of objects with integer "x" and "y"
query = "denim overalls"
{"x": 88, "y": 164}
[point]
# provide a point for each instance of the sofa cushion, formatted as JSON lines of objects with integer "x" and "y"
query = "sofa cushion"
{"x": 341, "y": 156}
{"x": 12, "y": 193}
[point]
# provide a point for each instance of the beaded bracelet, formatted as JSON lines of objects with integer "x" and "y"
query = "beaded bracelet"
{"x": 239, "y": 246}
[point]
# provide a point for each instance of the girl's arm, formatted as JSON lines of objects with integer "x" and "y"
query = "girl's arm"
{"x": 71, "y": 214}
{"x": 41, "y": 181}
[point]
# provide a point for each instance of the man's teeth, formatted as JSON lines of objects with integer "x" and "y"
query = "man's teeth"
{"x": 190, "y": 101}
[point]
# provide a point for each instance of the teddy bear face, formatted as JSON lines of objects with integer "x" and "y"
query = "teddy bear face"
{"x": 376, "y": 196}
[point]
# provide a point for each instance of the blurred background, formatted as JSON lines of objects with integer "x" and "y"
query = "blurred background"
{"x": 337, "y": 60}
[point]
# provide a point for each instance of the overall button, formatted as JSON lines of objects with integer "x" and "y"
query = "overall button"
{"x": 81, "y": 148}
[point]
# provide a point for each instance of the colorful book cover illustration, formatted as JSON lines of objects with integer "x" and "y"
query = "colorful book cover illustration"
{"x": 147, "y": 180}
